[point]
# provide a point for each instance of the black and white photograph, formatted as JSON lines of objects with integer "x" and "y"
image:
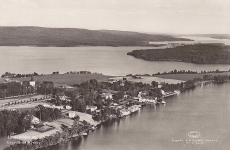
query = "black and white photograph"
{"x": 114, "y": 74}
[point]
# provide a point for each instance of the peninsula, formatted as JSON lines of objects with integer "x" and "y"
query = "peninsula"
{"x": 194, "y": 53}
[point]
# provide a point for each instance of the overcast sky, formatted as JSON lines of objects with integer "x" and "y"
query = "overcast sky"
{"x": 161, "y": 16}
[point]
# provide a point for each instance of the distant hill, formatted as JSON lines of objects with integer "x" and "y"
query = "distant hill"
{"x": 220, "y": 36}
{"x": 215, "y": 36}
{"x": 68, "y": 37}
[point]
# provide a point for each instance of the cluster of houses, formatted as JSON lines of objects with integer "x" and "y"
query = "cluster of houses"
{"x": 125, "y": 107}
{"x": 66, "y": 87}
{"x": 127, "y": 111}
{"x": 167, "y": 94}
{"x": 144, "y": 98}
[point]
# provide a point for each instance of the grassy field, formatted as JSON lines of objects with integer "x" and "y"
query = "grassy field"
{"x": 187, "y": 77}
{"x": 149, "y": 79}
{"x": 68, "y": 79}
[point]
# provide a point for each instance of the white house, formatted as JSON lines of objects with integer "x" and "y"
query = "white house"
{"x": 107, "y": 95}
{"x": 63, "y": 97}
{"x": 124, "y": 112}
{"x": 133, "y": 108}
{"x": 159, "y": 86}
{"x": 35, "y": 120}
{"x": 92, "y": 108}
{"x": 71, "y": 114}
{"x": 68, "y": 107}
{"x": 32, "y": 82}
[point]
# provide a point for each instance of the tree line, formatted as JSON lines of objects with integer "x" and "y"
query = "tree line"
{"x": 13, "y": 88}
{"x": 47, "y": 114}
{"x": 10, "y": 89}
{"x": 175, "y": 71}
{"x": 14, "y": 75}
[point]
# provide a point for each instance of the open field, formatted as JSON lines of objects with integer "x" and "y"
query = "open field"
{"x": 186, "y": 77}
{"x": 66, "y": 79}
{"x": 149, "y": 79}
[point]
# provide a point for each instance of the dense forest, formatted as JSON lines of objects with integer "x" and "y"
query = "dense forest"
{"x": 14, "y": 122}
{"x": 20, "y": 121}
{"x": 196, "y": 53}
{"x": 69, "y": 37}
{"x": 14, "y": 88}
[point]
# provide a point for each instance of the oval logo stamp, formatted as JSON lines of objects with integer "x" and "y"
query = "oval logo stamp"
{"x": 194, "y": 134}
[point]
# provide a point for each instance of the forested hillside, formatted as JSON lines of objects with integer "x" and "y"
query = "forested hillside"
{"x": 67, "y": 37}
{"x": 196, "y": 53}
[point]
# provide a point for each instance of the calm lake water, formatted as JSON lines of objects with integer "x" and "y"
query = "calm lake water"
{"x": 205, "y": 110}
{"x": 105, "y": 60}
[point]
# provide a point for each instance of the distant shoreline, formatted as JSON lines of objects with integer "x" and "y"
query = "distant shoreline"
{"x": 71, "y": 37}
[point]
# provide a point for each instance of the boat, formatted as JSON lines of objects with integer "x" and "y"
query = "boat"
{"x": 177, "y": 92}
{"x": 93, "y": 128}
{"x": 124, "y": 112}
{"x": 163, "y": 102}
{"x": 84, "y": 133}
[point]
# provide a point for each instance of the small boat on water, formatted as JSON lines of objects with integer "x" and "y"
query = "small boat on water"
{"x": 93, "y": 128}
{"x": 177, "y": 92}
{"x": 84, "y": 133}
{"x": 163, "y": 102}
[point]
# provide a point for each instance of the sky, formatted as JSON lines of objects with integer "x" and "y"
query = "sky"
{"x": 152, "y": 16}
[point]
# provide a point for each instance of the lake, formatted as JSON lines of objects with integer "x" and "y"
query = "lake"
{"x": 204, "y": 110}
{"x": 105, "y": 60}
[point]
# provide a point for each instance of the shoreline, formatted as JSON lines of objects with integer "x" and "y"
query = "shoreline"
{"x": 144, "y": 104}
{"x": 125, "y": 110}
